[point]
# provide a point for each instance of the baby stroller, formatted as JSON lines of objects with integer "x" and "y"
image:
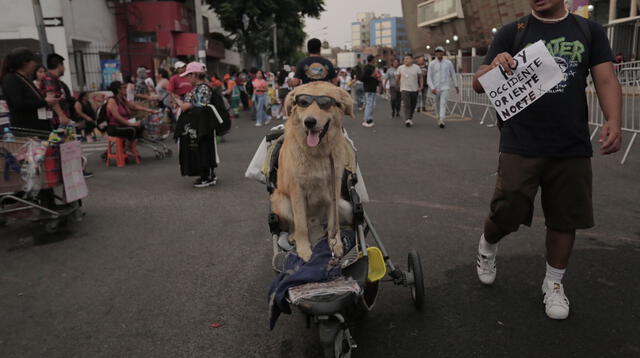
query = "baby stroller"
{"x": 333, "y": 305}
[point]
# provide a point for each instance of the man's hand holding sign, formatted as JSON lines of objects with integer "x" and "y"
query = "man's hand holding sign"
{"x": 514, "y": 83}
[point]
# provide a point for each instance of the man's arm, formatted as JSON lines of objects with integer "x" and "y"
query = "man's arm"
{"x": 454, "y": 80}
{"x": 421, "y": 80}
{"x": 430, "y": 75}
{"x": 610, "y": 97}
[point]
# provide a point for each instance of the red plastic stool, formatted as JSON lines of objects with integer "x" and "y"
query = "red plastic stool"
{"x": 120, "y": 155}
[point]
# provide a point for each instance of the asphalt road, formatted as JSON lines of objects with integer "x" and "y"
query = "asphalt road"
{"x": 156, "y": 262}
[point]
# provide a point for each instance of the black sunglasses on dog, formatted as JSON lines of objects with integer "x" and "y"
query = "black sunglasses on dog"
{"x": 305, "y": 100}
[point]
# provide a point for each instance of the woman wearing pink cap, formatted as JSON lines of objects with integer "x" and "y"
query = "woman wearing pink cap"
{"x": 197, "y": 138}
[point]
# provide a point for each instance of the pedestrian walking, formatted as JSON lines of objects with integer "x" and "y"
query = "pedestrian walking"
{"x": 283, "y": 90}
{"x": 359, "y": 86}
{"x": 422, "y": 94}
{"x": 410, "y": 81}
{"x": 315, "y": 67}
{"x": 547, "y": 145}
{"x": 394, "y": 91}
{"x": 440, "y": 78}
{"x": 260, "y": 88}
{"x": 345, "y": 80}
{"x": 370, "y": 81}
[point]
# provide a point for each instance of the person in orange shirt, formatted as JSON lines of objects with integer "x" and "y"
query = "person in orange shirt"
{"x": 232, "y": 92}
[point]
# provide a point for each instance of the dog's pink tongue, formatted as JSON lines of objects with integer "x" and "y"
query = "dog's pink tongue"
{"x": 313, "y": 139}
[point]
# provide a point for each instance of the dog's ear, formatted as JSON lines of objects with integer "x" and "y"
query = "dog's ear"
{"x": 345, "y": 102}
{"x": 289, "y": 102}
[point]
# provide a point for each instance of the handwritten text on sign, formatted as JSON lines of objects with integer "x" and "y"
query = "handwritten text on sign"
{"x": 534, "y": 72}
{"x": 71, "y": 161}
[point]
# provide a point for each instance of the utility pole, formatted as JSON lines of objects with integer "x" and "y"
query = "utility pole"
{"x": 275, "y": 45}
{"x": 201, "y": 55}
{"x": 42, "y": 34}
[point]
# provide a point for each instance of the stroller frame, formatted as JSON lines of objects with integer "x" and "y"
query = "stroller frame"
{"x": 333, "y": 317}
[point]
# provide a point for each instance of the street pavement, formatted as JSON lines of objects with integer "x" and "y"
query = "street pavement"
{"x": 156, "y": 262}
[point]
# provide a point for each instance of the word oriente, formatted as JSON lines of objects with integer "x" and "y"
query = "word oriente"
{"x": 518, "y": 87}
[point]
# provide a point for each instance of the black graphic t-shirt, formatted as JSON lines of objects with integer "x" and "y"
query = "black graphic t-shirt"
{"x": 315, "y": 68}
{"x": 557, "y": 124}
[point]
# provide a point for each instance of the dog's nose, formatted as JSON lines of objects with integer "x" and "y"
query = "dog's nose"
{"x": 310, "y": 122}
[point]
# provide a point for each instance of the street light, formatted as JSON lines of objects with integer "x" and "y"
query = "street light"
{"x": 455, "y": 38}
{"x": 590, "y": 8}
{"x": 447, "y": 41}
{"x": 428, "y": 47}
{"x": 494, "y": 31}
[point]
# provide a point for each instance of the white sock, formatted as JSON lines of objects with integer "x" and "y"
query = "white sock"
{"x": 487, "y": 249}
{"x": 554, "y": 274}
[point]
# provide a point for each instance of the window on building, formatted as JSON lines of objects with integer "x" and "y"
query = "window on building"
{"x": 78, "y": 61}
{"x": 435, "y": 11}
{"x": 205, "y": 25}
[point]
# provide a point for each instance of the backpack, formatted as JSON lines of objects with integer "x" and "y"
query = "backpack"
{"x": 102, "y": 120}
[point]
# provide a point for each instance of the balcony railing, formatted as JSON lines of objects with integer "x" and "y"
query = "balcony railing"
{"x": 432, "y": 12}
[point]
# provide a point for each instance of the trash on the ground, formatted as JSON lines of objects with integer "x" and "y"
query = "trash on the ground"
{"x": 500, "y": 323}
{"x": 216, "y": 325}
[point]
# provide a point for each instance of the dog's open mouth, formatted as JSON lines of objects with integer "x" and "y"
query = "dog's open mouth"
{"x": 314, "y": 136}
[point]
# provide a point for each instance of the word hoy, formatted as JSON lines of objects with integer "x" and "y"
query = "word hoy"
{"x": 533, "y": 73}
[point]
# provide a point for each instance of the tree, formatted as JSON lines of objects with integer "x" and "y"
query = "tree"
{"x": 251, "y": 23}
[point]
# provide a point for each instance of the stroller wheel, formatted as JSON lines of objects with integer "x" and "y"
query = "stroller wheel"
{"x": 168, "y": 152}
{"x": 159, "y": 155}
{"x": 52, "y": 226}
{"x": 414, "y": 267}
{"x": 336, "y": 341}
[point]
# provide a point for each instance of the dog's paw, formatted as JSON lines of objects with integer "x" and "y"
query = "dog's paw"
{"x": 336, "y": 246}
{"x": 304, "y": 253}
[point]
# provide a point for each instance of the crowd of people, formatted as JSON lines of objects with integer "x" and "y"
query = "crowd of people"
{"x": 406, "y": 85}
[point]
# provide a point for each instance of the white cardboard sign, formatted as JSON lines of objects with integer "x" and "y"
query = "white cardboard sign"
{"x": 534, "y": 73}
{"x": 71, "y": 161}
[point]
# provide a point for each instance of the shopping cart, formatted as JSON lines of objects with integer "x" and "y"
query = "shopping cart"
{"x": 31, "y": 182}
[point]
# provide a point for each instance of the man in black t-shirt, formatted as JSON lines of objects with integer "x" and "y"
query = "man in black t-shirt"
{"x": 315, "y": 67}
{"x": 547, "y": 145}
{"x": 370, "y": 80}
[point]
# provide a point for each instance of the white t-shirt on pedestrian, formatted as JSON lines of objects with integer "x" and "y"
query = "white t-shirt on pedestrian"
{"x": 345, "y": 83}
{"x": 410, "y": 78}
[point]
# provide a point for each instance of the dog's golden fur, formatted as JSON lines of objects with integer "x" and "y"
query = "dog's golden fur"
{"x": 307, "y": 187}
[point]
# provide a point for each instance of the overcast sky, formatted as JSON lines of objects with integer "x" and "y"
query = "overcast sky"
{"x": 339, "y": 14}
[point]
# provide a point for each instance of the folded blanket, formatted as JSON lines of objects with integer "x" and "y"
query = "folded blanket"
{"x": 320, "y": 267}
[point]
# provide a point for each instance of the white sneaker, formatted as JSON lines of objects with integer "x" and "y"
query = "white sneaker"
{"x": 556, "y": 304}
{"x": 408, "y": 123}
{"x": 367, "y": 124}
{"x": 486, "y": 268}
{"x": 258, "y": 124}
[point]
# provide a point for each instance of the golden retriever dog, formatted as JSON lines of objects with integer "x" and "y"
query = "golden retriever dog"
{"x": 311, "y": 163}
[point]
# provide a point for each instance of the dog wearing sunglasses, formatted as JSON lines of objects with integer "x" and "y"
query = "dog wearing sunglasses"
{"x": 311, "y": 164}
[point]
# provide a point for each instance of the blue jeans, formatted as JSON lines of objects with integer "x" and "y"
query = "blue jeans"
{"x": 370, "y": 105}
{"x": 261, "y": 111}
{"x": 360, "y": 95}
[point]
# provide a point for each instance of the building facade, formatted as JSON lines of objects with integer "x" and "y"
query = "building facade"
{"x": 84, "y": 32}
{"x": 360, "y": 30}
{"x": 389, "y": 32}
{"x": 433, "y": 23}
